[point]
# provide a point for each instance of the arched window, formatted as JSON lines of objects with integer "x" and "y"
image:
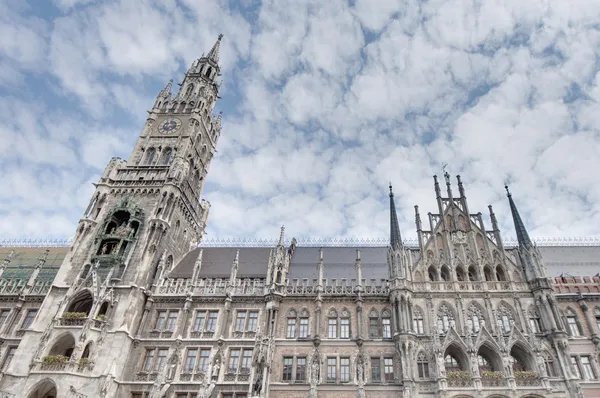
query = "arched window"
{"x": 303, "y": 324}
{"x": 332, "y": 324}
{"x": 150, "y": 155}
{"x": 573, "y": 323}
{"x": 472, "y": 274}
{"x": 345, "y": 324}
{"x": 500, "y": 275}
{"x": 432, "y": 274}
{"x": 165, "y": 157}
{"x": 386, "y": 324}
{"x": 86, "y": 350}
{"x": 190, "y": 90}
{"x": 422, "y": 366}
{"x": 292, "y": 321}
{"x": 521, "y": 360}
{"x": 374, "y": 329}
{"x": 44, "y": 389}
{"x": 418, "y": 321}
{"x": 445, "y": 318}
{"x": 208, "y": 72}
{"x": 460, "y": 274}
{"x": 534, "y": 320}
{"x": 103, "y": 310}
{"x": 488, "y": 359}
{"x": 63, "y": 346}
{"x": 81, "y": 304}
{"x": 445, "y": 273}
{"x": 505, "y": 318}
{"x": 474, "y": 318}
{"x": 488, "y": 273}
{"x": 549, "y": 365}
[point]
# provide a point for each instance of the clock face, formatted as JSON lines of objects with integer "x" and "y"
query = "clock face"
{"x": 169, "y": 126}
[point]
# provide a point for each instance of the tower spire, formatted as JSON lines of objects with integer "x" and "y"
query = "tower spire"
{"x": 522, "y": 235}
{"x": 395, "y": 238}
{"x": 213, "y": 54}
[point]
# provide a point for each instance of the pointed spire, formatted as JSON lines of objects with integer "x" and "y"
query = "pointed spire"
{"x": 218, "y": 121}
{"x": 395, "y": 238}
{"x": 522, "y": 236}
{"x": 167, "y": 89}
{"x": 281, "y": 239}
{"x": 213, "y": 54}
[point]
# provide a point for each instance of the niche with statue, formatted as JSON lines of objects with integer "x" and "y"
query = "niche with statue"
{"x": 118, "y": 233}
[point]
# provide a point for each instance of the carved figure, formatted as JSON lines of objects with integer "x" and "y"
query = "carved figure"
{"x": 105, "y": 249}
{"x": 440, "y": 365}
{"x": 257, "y": 387}
{"x": 216, "y": 368}
{"x": 315, "y": 371}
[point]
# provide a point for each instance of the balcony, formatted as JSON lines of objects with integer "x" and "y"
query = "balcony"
{"x": 60, "y": 363}
{"x": 493, "y": 379}
{"x": 527, "y": 379}
{"x": 460, "y": 379}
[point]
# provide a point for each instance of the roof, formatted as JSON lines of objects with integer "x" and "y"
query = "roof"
{"x": 23, "y": 260}
{"x": 217, "y": 262}
{"x": 573, "y": 260}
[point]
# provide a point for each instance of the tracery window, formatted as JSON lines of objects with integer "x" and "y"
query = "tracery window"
{"x": 380, "y": 327}
{"x": 445, "y": 319}
{"x": 474, "y": 318}
{"x": 165, "y": 157}
{"x": 472, "y": 274}
{"x": 422, "y": 366}
{"x": 500, "y": 275}
{"x": 150, "y": 155}
{"x": 505, "y": 318}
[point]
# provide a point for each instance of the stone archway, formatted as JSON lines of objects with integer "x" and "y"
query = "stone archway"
{"x": 44, "y": 389}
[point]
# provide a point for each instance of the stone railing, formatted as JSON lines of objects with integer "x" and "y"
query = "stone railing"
{"x": 527, "y": 379}
{"x": 480, "y": 286}
{"x": 493, "y": 379}
{"x": 460, "y": 379}
{"x": 72, "y": 321}
{"x": 64, "y": 366}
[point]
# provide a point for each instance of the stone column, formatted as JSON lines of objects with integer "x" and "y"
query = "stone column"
{"x": 547, "y": 314}
{"x": 491, "y": 312}
{"x": 222, "y": 324}
{"x": 182, "y": 322}
{"x": 556, "y": 314}
{"x": 359, "y": 317}
{"x": 144, "y": 320}
{"x": 588, "y": 319}
{"x": 395, "y": 326}
{"x": 521, "y": 314}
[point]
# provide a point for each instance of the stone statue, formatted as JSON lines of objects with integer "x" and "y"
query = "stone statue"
{"x": 105, "y": 249}
{"x": 474, "y": 365}
{"x": 257, "y": 387}
{"x": 440, "y": 365}
{"x": 542, "y": 366}
{"x": 360, "y": 371}
{"x": 216, "y": 368}
{"x": 315, "y": 371}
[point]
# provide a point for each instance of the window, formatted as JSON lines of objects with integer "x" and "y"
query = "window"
{"x": 3, "y": 316}
{"x": 235, "y": 366}
{"x": 300, "y": 370}
{"x": 375, "y": 370}
{"x": 150, "y": 154}
{"x": 549, "y": 366}
{"x": 291, "y": 328}
{"x": 211, "y": 323}
{"x": 303, "y": 330}
{"x": 597, "y": 315}
{"x": 575, "y": 367}
{"x": 29, "y": 319}
{"x": 246, "y": 361}
{"x": 418, "y": 322}
{"x": 505, "y": 323}
{"x": 203, "y": 361}
{"x": 154, "y": 360}
{"x": 534, "y": 324}
{"x": 345, "y": 328}
{"x": 9, "y": 356}
{"x": 161, "y": 317}
{"x": 240, "y": 321}
{"x": 287, "y": 368}
{"x": 199, "y": 321}
{"x": 190, "y": 361}
{"x": 186, "y": 395}
{"x": 252, "y": 321}
{"x": 388, "y": 369}
{"x": 387, "y": 328}
{"x": 331, "y": 370}
{"x": 374, "y": 328}
{"x": 234, "y": 361}
{"x": 445, "y": 318}
{"x": 344, "y": 370}
{"x": 171, "y": 320}
{"x": 422, "y": 366}
{"x": 332, "y": 328}
{"x": 573, "y": 325}
{"x": 586, "y": 366}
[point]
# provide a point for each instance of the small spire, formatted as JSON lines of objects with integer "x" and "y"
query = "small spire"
{"x": 167, "y": 89}
{"x": 461, "y": 189}
{"x": 218, "y": 121}
{"x": 418, "y": 219}
{"x": 281, "y": 235}
{"x": 522, "y": 235}
{"x": 395, "y": 238}
{"x": 213, "y": 54}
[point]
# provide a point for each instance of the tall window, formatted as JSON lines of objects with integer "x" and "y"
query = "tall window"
{"x": 422, "y": 366}
{"x": 549, "y": 363}
{"x": 505, "y": 317}
{"x": 166, "y": 320}
{"x": 9, "y": 356}
{"x": 3, "y": 316}
{"x": 203, "y": 360}
{"x": 148, "y": 360}
{"x": 165, "y": 157}
{"x": 332, "y": 328}
{"x": 240, "y": 321}
{"x": 344, "y": 370}
{"x": 345, "y": 328}
{"x": 303, "y": 330}
{"x": 29, "y": 319}
{"x": 150, "y": 155}
{"x": 575, "y": 367}
{"x": 445, "y": 318}
{"x": 199, "y": 321}
{"x": 291, "y": 328}
{"x": 474, "y": 318}
{"x": 234, "y": 360}
{"x": 211, "y": 323}
{"x": 375, "y": 370}
{"x": 534, "y": 323}
{"x": 246, "y": 321}
{"x": 300, "y": 369}
{"x": 205, "y": 321}
{"x": 387, "y": 328}
{"x": 331, "y": 370}
{"x": 237, "y": 366}
{"x": 586, "y": 366}
{"x": 388, "y": 369}
{"x": 246, "y": 361}
{"x": 418, "y": 321}
{"x": 171, "y": 320}
{"x": 190, "y": 361}
{"x": 374, "y": 328}
{"x": 161, "y": 318}
{"x": 287, "y": 368}
{"x": 573, "y": 324}
{"x": 252, "y": 321}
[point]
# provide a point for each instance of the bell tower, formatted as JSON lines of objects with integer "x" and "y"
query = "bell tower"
{"x": 147, "y": 211}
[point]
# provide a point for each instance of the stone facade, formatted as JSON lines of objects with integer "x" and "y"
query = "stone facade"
{"x": 137, "y": 310}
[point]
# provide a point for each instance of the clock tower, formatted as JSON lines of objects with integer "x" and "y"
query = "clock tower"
{"x": 147, "y": 211}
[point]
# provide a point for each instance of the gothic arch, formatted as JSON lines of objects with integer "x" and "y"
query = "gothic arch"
{"x": 419, "y": 320}
{"x": 506, "y": 316}
{"x": 45, "y": 388}
{"x": 476, "y": 314}
{"x": 460, "y": 274}
{"x": 501, "y": 274}
{"x": 446, "y": 317}
{"x": 473, "y": 273}
{"x": 487, "y": 351}
{"x": 190, "y": 90}
{"x": 488, "y": 274}
{"x": 63, "y": 345}
{"x": 87, "y": 350}
{"x": 165, "y": 156}
{"x": 432, "y": 274}
{"x": 82, "y": 302}
{"x": 149, "y": 156}
{"x": 445, "y": 274}
{"x": 458, "y": 354}
{"x": 522, "y": 356}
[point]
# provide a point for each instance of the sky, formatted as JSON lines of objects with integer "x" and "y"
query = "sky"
{"x": 324, "y": 103}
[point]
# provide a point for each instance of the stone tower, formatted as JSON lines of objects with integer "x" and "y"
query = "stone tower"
{"x": 144, "y": 216}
